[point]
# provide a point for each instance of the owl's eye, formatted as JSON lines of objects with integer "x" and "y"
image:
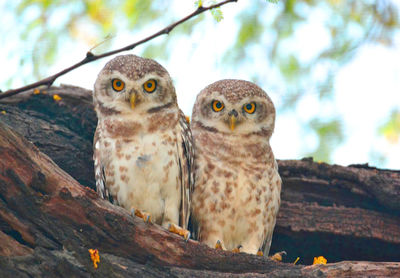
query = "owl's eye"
{"x": 150, "y": 86}
{"x": 217, "y": 105}
{"x": 117, "y": 84}
{"x": 250, "y": 107}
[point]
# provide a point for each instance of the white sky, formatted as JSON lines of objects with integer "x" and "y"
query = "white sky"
{"x": 366, "y": 90}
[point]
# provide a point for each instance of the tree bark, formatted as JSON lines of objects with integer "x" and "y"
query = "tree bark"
{"x": 50, "y": 216}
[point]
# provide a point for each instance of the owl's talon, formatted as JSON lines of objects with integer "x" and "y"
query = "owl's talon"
{"x": 218, "y": 245}
{"x": 260, "y": 253}
{"x": 237, "y": 249}
{"x": 277, "y": 257}
{"x": 147, "y": 216}
{"x": 144, "y": 215}
{"x": 179, "y": 231}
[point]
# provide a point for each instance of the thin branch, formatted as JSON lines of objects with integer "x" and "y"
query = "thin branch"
{"x": 90, "y": 57}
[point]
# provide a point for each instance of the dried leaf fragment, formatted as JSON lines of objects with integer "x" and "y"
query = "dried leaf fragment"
{"x": 278, "y": 256}
{"x": 320, "y": 260}
{"x": 94, "y": 256}
{"x": 57, "y": 97}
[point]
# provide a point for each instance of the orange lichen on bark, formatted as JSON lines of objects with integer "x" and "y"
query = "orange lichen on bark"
{"x": 95, "y": 257}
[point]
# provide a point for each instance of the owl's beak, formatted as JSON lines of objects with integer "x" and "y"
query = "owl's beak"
{"x": 232, "y": 122}
{"x": 233, "y": 119}
{"x": 133, "y": 100}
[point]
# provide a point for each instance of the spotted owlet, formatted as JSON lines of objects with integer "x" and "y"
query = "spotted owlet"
{"x": 237, "y": 193}
{"x": 143, "y": 151}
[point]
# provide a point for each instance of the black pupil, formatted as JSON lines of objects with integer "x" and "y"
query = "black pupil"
{"x": 249, "y": 106}
{"x": 149, "y": 85}
{"x": 218, "y": 105}
{"x": 119, "y": 84}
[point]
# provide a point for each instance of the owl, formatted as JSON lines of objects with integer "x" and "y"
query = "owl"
{"x": 237, "y": 193}
{"x": 143, "y": 152}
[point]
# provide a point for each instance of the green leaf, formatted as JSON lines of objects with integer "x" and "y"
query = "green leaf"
{"x": 217, "y": 14}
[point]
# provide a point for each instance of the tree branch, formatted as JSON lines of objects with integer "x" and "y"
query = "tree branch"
{"x": 48, "y": 221}
{"x": 343, "y": 213}
{"x": 90, "y": 57}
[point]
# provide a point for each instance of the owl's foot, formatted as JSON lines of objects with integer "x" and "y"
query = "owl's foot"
{"x": 237, "y": 249}
{"x": 179, "y": 230}
{"x": 144, "y": 215}
{"x": 277, "y": 257}
{"x": 218, "y": 245}
{"x": 260, "y": 253}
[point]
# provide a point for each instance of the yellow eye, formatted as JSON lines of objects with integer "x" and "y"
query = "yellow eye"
{"x": 117, "y": 84}
{"x": 217, "y": 105}
{"x": 150, "y": 86}
{"x": 250, "y": 107}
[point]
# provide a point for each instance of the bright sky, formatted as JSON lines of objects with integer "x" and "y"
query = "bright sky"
{"x": 366, "y": 90}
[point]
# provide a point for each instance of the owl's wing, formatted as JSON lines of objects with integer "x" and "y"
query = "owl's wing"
{"x": 268, "y": 237}
{"x": 186, "y": 160}
{"x": 99, "y": 169}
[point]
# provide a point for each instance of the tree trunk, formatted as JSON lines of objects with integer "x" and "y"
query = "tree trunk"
{"x": 50, "y": 216}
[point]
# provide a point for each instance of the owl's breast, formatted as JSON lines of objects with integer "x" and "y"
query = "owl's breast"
{"x": 242, "y": 198}
{"x": 144, "y": 171}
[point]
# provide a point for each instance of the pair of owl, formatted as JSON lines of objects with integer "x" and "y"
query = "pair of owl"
{"x": 146, "y": 160}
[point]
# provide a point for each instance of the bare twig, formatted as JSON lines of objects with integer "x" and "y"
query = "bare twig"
{"x": 91, "y": 57}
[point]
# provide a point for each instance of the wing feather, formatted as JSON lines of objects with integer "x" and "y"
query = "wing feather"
{"x": 99, "y": 169}
{"x": 268, "y": 237}
{"x": 186, "y": 160}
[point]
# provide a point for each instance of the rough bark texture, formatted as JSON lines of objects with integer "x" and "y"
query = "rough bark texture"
{"x": 48, "y": 220}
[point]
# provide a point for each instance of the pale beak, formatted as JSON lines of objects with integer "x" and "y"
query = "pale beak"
{"x": 232, "y": 122}
{"x": 133, "y": 100}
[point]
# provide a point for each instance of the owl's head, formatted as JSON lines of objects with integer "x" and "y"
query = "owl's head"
{"x": 131, "y": 84}
{"x": 234, "y": 107}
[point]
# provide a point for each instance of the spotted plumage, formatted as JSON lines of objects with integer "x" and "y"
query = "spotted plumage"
{"x": 143, "y": 151}
{"x": 237, "y": 193}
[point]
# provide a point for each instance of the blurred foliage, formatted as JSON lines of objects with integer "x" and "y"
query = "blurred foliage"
{"x": 391, "y": 129}
{"x": 330, "y": 134}
{"x": 268, "y": 30}
{"x": 347, "y": 26}
{"x": 90, "y": 21}
{"x": 216, "y": 13}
